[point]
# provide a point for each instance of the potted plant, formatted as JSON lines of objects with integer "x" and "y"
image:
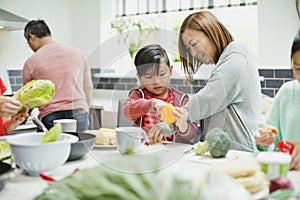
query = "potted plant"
{"x": 127, "y": 27}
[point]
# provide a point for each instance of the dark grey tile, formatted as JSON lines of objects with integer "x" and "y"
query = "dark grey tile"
{"x": 269, "y": 92}
{"x": 95, "y": 70}
{"x": 104, "y": 80}
{"x": 114, "y": 80}
{"x": 108, "y": 86}
{"x": 120, "y": 87}
{"x": 94, "y": 79}
{"x": 185, "y": 89}
{"x": 176, "y": 82}
{"x": 128, "y": 80}
{"x": 287, "y": 80}
{"x": 283, "y": 73}
{"x": 130, "y": 86}
{"x": 267, "y": 73}
{"x": 263, "y": 84}
{"x": 15, "y": 88}
{"x": 12, "y": 80}
{"x": 274, "y": 83}
{"x": 19, "y": 80}
{"x": 196, "y": 89}
{"x": 100, "y": 86}
{"x": 14, "y": 73}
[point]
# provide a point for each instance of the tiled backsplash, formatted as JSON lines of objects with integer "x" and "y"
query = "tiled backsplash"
{"x": 273, "y": 79}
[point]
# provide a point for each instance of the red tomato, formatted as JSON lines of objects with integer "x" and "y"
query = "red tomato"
{"x": 274, "y": 130}
{"x": 285, "y": 146}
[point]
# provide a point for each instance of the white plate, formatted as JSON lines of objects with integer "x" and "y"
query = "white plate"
{"x": 207, "y": 159}
{"x": 261, "y": 194}
{"x": 103, "y": 146}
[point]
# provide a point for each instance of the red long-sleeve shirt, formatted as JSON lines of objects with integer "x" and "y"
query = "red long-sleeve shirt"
{"x": 138, "y": 105}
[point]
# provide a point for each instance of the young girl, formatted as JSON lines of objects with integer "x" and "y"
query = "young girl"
{"x": 145, "y": 102}
{"x": 284, "y": 113}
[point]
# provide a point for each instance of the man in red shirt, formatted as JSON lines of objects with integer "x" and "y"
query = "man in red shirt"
{"x": 10, "y": 117}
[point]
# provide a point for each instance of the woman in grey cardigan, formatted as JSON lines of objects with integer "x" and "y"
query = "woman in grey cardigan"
{"x": 231, "y": 98}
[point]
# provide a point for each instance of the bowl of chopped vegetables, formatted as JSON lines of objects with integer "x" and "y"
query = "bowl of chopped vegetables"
{"x": 34, "y": 155}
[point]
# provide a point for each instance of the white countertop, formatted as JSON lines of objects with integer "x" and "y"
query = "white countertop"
{"x": 27, "y": 187}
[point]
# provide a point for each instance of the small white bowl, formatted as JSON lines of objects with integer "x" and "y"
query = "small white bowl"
{"x": 34, "y": 157}
{"x": 274, "y": 164}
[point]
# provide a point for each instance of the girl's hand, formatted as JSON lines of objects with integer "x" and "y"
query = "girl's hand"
{"x": 181, "y": 116}
{"x": 158, "y": 104}
{"x": 15, "y": 120}
{"x": 9, "y": 106}
{"x": 155, "y": 134}
{"x": 266, "y": 135}
{"x": 294, "y": 164}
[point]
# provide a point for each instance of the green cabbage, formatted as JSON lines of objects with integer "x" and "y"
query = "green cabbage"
{"x": 35, "y": 93}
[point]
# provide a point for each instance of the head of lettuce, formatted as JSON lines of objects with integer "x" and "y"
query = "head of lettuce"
{"x": 35, "y": 93}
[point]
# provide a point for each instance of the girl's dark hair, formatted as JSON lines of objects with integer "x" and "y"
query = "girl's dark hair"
{"x": 38, "y": 28}
{"x": 296, "y": 44}
{"x": 148, "y": 57}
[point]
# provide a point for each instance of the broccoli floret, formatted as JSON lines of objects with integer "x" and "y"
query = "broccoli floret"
{"x": 219, "y": 142}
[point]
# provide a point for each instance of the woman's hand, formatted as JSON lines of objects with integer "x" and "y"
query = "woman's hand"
{"x": 9, "y": 106}
{"x": 158, "y": 104}
{"x": 181, "y": 116}
{"x": 155, "y": 134}
{"x": 294, "y": 164}
{"x": 266, "y": 135}
{"x": 14, "y": 121}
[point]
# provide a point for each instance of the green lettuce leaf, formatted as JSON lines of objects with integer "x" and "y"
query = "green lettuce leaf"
{"x": 53, "y": 134}
{"x": 36, "y": 93}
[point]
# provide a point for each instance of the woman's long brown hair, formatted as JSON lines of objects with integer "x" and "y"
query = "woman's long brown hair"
{"x": 206, "y": 22}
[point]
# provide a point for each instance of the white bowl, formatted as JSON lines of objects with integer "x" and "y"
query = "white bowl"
{"x": 34, "y": 157}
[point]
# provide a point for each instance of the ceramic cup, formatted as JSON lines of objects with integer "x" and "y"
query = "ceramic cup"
{"x": 129, "y": 139}
{"x": 68, "y": 125}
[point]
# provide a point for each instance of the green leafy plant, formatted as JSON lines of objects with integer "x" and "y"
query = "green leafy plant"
{"x": 124, "y": 26}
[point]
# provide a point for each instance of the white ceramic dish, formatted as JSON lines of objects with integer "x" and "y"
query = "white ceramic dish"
{"x": 34, "y": 157}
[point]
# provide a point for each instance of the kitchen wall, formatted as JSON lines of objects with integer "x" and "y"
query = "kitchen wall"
{"x": 86, "y": 25}
{"x": 75, "y": 22}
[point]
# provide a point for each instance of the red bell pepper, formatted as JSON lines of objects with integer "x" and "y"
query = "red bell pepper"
{"x": 285, "y": 146}
{"x": 47, "y": 177}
